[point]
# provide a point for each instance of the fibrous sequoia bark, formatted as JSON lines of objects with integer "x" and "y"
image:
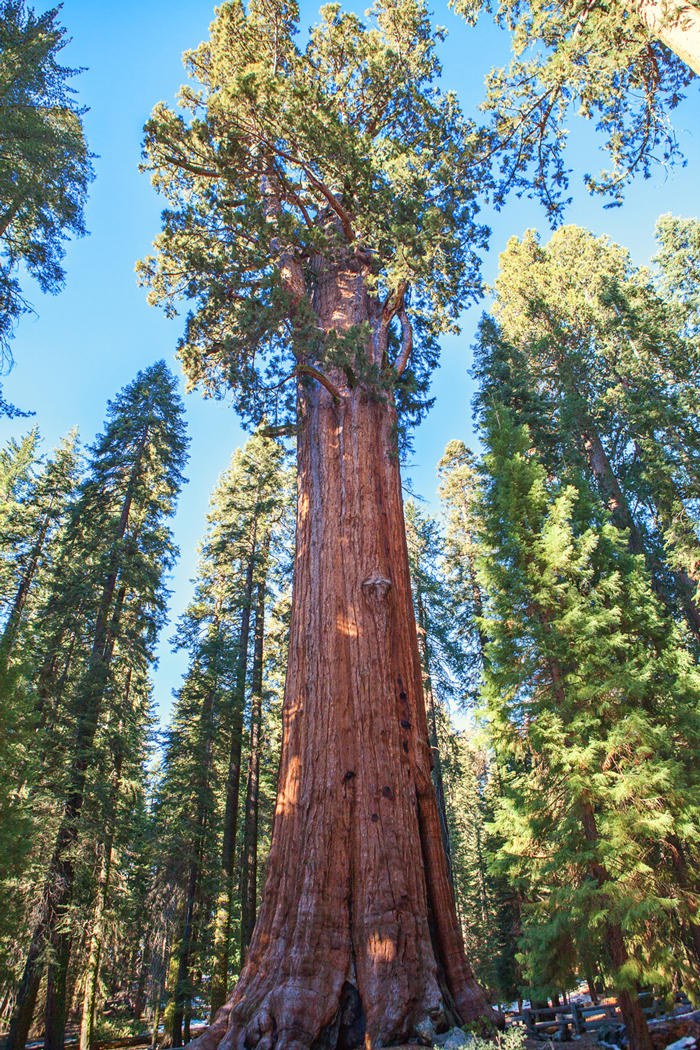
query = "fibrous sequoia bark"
{"x": 357, "y": 941}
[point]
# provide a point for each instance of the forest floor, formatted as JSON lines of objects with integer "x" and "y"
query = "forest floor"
{"x": 587, "y": 1041}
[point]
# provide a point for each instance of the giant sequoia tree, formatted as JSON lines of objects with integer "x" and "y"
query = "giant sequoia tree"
{"x": 322, "y": 224}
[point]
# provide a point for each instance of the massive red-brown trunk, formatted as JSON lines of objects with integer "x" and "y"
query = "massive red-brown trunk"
{"x": 357, "y": 941}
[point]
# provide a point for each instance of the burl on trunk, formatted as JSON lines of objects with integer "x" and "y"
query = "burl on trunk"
{"x": 357, "y": 942}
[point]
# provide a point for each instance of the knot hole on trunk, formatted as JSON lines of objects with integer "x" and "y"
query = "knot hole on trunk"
{"x": 376, "y": 587}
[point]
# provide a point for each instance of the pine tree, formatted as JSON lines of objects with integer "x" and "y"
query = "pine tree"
{"x": 107, "y": 596}
{"x": 593, "y": 709}
{"x": 187, "y": 814}
{"x": 198, "y": 795}
{"x": 34, "y": 506}
{"x": 115, "y": 817}
{"x": 249, "y": 852}
{"x": 616, "y": 380}
{"x": 489, "y": 905}
{"x": 17, "y": 465}
{"x": 33, "y": 532}
{"x": 678, "y": 260}
{"x": 459, "y": 492}
{"x": 45, "y": 165}
{"x": 248, "y": 509}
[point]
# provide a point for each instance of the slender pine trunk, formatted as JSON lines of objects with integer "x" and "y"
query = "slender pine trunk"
{"x": 171, "y": 996}
{"x": 182, "y": 988}
{"x": 139, "y": 998}
{"x": 179, "y": 972}
{"x": 609, "y": 486}
{"x": 158, "y": 992}
{"x": 477, "y": 599}
{"x": 6, "y": 995}
{"x": 622, "y": 518}
{"x": 222, "y": 926}
{"x": 60, "y": 938}
{"x": 249, "y": 860}
{"x": 424, "y": 650}
{"x": 51, "y": 683}
{"x": 590, "y": 978}
{"x": 9, "y": 634}
{"x": 481, "y": 873}
{"x": 92, "y": 971}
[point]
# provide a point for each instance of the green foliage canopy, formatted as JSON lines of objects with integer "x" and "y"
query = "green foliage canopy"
{"x": 614, "y": 61}
{"x": 45, "y": 165}
{"x": 288, "y": 163}
{"x": 593, "y": 701}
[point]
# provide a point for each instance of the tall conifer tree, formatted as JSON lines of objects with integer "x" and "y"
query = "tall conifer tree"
{"x": 45, "y": 165}
{"x": 593, "y": 704}
{"x": 198, "y": 794}
{"x": 322, "y": 221}
{"x": 613, "y": 383}
{"x": 34, "y": 508}
{"x": 108, "y": 591}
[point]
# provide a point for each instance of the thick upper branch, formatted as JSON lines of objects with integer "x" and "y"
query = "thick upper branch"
{"x": 309, "y": 370}
{"x": 321, "y": 187}
{"x": 334, "y": 203}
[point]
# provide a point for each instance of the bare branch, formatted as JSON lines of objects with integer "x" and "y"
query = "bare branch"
{"x": 582, "y": 19}
{"x": 406, "y": 341}
{"x": 285, "y": 430}
{"x": 291, "y": 195}
{"x": 390, "y": 308}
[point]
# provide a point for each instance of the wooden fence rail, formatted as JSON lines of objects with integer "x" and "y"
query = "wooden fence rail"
{"x": 579, "y": 1019}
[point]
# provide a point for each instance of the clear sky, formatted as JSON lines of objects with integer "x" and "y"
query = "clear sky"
{"x": 89, "y": 341}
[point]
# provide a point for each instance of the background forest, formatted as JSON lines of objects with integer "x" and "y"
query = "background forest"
{"x": 554, "y": 580}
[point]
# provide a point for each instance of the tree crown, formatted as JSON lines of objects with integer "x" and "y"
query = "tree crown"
{"x": 45, "y": 165}
{"x": 289, "y": 165}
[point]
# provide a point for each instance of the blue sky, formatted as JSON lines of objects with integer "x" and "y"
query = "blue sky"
{"x": 89, "y": 341}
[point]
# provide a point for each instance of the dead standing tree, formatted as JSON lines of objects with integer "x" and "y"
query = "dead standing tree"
{"x": 322, "y": 221}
